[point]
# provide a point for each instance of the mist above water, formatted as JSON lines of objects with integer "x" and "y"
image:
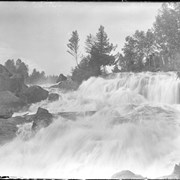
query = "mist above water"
{"x": 135, "y": 127}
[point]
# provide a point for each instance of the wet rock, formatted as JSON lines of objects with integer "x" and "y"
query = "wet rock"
{"x": 178, "y": 74}
{"x": 9, "y": 103}
{"x": 126, "y": 174}
{"x": 61, "y": 78}
{"x": 42, "y": 118}
{"x": 53, "y": 97}
{"x": 74, "y": 115}
{"x": 34, "y": 94}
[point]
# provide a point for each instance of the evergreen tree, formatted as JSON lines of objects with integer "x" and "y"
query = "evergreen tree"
{"x": 90, "y": 41}
{"x": 22, "y": 68}
{"x": 73, "y": 46}
{"x": 101, "y": 51}
{"x": 167, "y": 34}
{"x": 10, "y": 65}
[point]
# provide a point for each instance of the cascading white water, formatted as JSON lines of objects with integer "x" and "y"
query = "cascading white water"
{"x": 135, "y": 127}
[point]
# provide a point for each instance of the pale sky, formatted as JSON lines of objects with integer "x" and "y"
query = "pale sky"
{"x": 38, "y": 32}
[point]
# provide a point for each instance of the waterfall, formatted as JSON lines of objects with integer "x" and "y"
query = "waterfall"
{"x": 135, "y": 127}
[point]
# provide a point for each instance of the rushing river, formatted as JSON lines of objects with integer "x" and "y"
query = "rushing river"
{"x": 136, "y": 127}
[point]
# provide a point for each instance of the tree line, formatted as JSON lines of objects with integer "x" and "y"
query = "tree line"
{"x": 36, "y": 77}
{"x": 157, "y": 49}
{"x": 99, "y": 54}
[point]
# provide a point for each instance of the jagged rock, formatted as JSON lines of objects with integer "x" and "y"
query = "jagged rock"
{"x": 61, "y": 78}
{"x": 177, "y": 170}
{"x": 34, "y": 94}
{"x": 42, "y": 118}
{"x": 9, "y": 103}
{"x": 53, "y": 97}
{"x": 126, "y": 174}
{"x": 174, "y": 175}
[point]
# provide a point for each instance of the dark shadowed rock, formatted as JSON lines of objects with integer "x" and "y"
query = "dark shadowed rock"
{"x": 53, "y": 97}
{"x": 42, "y": 118}
{"x": 34, "y": 94}
{"x": 126, "y": 174}
{"x": 61, "y": 78}
{"x": 9, "y": 103}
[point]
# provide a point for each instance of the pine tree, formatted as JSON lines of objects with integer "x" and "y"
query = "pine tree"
{"x": 102, "y": 42}
{"x": 73, "y": 46}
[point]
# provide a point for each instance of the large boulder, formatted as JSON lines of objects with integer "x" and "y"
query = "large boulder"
{"x": 53, "y": 97}
{"x": 61, "y": 78}
{"x": 9, "y": 103}
{"x": 126, "y": 174}
{"x": 34, "y": 94}
{"x": 42, "y": 118}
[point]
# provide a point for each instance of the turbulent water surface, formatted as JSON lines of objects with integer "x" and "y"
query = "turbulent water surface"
{"x": 135, "y": 127}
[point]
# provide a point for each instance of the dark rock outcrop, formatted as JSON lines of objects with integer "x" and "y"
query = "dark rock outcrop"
{"x": 61, "y": 78}
{"x": 126, "y": 174}
{"x": 34, "y": 94}
{"x": 53, "y": 97}
{"x": 42, "y": 118}
{"x": 9, "y": 103}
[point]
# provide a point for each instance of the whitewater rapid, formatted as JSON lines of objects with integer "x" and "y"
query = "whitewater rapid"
{"x": 135, "y": 127}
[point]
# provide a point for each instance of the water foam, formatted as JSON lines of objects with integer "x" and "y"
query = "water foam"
{"x": 135, "y": 127}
